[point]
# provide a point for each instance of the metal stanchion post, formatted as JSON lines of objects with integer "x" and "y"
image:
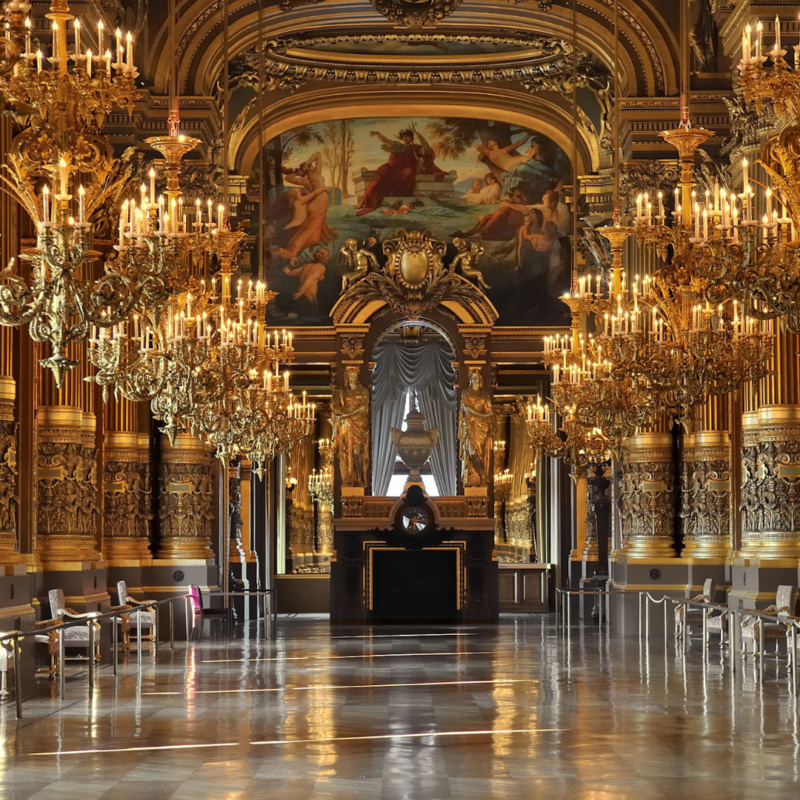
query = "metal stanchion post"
{"x": 664, "y": 601}
{"x": 91, "y": 656}
{"x": 647, "y": 616}
{"x": 62, "y": 664}
{"x": 600, "y": 611}
{"x": 639, "y": 604}
{"x": 115, "y": 642}
{"x": 569, "y": 613}
{"x": 760, "y": 649}
{"x": 171, "y": 624}
{"x": 274, "y": 607}
{"x": 17, "y": 678}
{"x": 139, "y": 638}
{"x": 558, "y": 600}
{"x": 186, "y": 610}
{"x": 705, "y": 634}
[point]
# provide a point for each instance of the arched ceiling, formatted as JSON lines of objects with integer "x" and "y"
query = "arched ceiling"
{"x": 496, "y": 58}
{"x": 647, "y": 44}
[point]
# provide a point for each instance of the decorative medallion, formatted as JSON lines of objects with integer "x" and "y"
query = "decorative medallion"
{"x": 414, "y": 279}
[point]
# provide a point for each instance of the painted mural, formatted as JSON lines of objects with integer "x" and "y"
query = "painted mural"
{"x": 490, "y": 182}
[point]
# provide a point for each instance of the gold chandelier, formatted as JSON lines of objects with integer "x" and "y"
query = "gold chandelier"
{"x": 62, "y": 171}
{"x": 576, "y": 444}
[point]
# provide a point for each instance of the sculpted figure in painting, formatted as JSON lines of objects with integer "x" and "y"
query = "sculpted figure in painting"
{"x": 474, "y": 431}
{"x": 358, "y": 261}
{"x": 351, "y": 430}
{"x": 466, "y": 261}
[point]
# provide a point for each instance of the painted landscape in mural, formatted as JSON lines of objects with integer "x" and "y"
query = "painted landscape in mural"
{"x": 494, "y": 183}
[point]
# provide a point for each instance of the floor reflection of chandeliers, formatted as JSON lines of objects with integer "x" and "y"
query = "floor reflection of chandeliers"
{"x": 64, "y": 108}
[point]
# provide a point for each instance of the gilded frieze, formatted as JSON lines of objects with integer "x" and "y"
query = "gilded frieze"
{"x": 771, "y": 483}
{"x": 648, "y": 495}
{"x": 706, "y": 487}
{"x": 126, "y": 493}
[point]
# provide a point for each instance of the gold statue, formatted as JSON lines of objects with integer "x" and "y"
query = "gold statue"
{"x": 466, "y": 262}
{"x": 358, "y": 260}
{"x": 474, "y": 431}
{"x": 351, "y": 430}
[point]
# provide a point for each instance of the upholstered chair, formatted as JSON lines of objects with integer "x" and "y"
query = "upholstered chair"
{"x": 76, "y": 637}
{"x": 6, "y": 661}
{"x": 785, "y": 606}
{"x": 685, "y": 616}
{"x": 130, "y": 616}
{"x": 717, "y": 624}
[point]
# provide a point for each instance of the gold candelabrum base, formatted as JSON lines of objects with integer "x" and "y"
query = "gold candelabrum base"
{"x": 67, "y": 489}
{"x": 186, "y": 500}
{"x": 648, "y": 496}
{"x": 126, "y": 493}
{"x": 9, "y": 513}
{"x": 777, "y": 87}
{"x": 771, "y": 483}
{"x": 706, "y": 488}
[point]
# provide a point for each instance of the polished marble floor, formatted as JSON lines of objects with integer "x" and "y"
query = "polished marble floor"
{"x": 511, "y": 710}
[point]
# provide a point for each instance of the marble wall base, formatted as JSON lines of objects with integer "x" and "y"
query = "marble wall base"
{"x": 674, "y": 577}
{"x": 754, "y": 582}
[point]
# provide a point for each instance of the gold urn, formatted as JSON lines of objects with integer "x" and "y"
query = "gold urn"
{"x": 415, "y": 444}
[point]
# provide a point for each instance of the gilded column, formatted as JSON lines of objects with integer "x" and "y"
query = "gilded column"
{"x": 186, "y": 500}
{"x": 706, "y": 484}
{"x": 648, "y": 496}
{"x": 771, "y": 457}
{"x": 235, "y": 512}
{"x": 301, "y": 522}
{"x": 9, "y": 494}
{"x": 67, "y": 471}
{"x": 126, "y": 486}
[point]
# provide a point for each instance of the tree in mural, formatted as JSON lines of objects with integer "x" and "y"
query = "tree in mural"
{"x": 339, "y": 149}
{"x": 281, "y": 148}
{"x": 454, "y": 137}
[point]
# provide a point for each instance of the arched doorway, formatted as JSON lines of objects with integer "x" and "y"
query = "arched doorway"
{"x": 414, "y": 358}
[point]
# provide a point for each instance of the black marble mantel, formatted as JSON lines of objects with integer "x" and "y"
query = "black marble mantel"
{"x": 414, "y": 571}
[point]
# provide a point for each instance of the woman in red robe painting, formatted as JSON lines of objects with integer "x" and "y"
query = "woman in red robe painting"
{"x": 396, "y": 178}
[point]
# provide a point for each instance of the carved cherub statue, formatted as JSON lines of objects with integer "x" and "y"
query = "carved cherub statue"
{"x": 466, "y": 261}
{"x": 358, "y": 261}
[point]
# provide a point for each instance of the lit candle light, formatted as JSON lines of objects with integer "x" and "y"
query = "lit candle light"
{"x": 46, "y": 204}
{"x": 77, "y": 29}
{"x": 81, "y": 204}
{"x": 100, "y": 31}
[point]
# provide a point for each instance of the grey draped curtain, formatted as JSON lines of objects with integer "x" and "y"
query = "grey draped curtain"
{"x": 426, "y": 368}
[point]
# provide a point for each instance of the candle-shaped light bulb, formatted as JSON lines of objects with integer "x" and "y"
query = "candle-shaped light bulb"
{"x": 118, "y": 34}
{"x": 88, "y": 63}
{"x": 46, "y": 204}
{"x": 54, "y": 28}
{"x": 39, "y": 57}
{"x": 129, "y": 50}
{"x": 64, "y": 174}
{"x": 100, "y": 31}
{"x": 77, "y": 30}
{"x": 81, "y": 204}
